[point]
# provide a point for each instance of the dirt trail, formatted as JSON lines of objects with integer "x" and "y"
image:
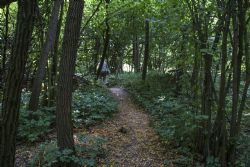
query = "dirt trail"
{"x": 132, "y": 142}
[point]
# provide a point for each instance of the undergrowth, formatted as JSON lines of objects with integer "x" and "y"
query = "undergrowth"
{"x": 91, "y": 104}
{"x": 87, "y": 150}
{"x": 35, "y": 125}
{"x": 174, "y": 116}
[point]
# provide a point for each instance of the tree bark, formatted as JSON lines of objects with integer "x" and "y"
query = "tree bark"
{"x": 106, "y": 42}
{"x": 55, "y": 53}
{"x": 14, "y": 79}
{"x": 66, "y": 72}
{"x": 206, "y": 104}
{"x": 95, "y": 56}
{"x": 219, "y": 137}
{"x": 146, "y": 51}
{"x": 5, "y": 41}
{"x": 195, "y": 73}
{"x": 200, "y": 26}
{"x": 36, "y": 88}
{"x": 238, "y": 47}
{"x": 136, "y": 59}
{"x": 247, "y": 64}
{"x": 5, "y": 47}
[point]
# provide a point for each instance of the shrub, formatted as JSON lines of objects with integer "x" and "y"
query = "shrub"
{"x": 87, "y": 150}
{"x": 243, "y": 148}
{"x": 92, "y": 105}
{"x": 33, "y": 125}
{"x": 173, "y": 116}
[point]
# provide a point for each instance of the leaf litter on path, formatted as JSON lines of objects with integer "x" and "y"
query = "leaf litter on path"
{"x": 138, "y": 145}
{"x": 131, "y": 141}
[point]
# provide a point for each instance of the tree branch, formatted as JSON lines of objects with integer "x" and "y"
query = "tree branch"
{"x": 4, "y": 3}
{"x": 93, "y": 14}
{"x": 87, "y": 22}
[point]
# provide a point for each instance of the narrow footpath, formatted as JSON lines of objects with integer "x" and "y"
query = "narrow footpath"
{"x": 131, "y": 141}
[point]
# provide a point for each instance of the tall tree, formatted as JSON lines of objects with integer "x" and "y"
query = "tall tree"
{"x": 54, "y": 63}
{"x": 48, "y": 45}
{"x": 146, "y": 51}
{"x": 200, "y": 27}
{"x": 219, "y": 130}
{"x": 95, "y": 55}
{"x": 14, "y": 79}
{"x": 247, "y": 65}
{"x": 5, "y": 40}
{"x": 135, "y": 42}
{"x": 236, "y": 78}
{"x": 239, "y": 24}
{"x": 136, "y": 56}
{"x": 106, "y": 40}
{"x": 66, "y": 72}
{"x": 5, "y": 47}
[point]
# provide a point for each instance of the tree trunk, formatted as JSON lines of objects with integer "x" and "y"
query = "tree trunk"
{"x": 136, "y": 54}
{"x": 37, "y": 85}
{"x": 247, "y": 80}
{"x": 5, "y": 41}
{"x": 180, "y": 66}
{"x": 55, "y": 54}
{"x": 206, "y": 104}
{"x": 114, "y": 64}
{"x": 14, "y": 79}
{"x": 5, "y": 47}
{"x": 95, "y": 56}
{"x": 106, "y": 42}
{"x": 195, "y": 73}
{"x": 219, "y": 137}
{"x": 66, "y": 72}
{"x": 239, "y": 27}
{"x": 146, "y": 51}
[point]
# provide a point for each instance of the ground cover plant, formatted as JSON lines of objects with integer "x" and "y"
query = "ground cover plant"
{"x": 92, "y": 104}
{"x": 174, "y": 117}
{"x": 185, "y": 62}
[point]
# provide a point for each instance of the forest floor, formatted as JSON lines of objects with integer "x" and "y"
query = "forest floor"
{"x": 131, "y": 140}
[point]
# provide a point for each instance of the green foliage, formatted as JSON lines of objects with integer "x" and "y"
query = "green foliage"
{"x": 92, "y": 105}
{"x": 156, "y": 83}
{"x": 244, "y": 150}
{"x": 213, "y": 162}
{"x": 175, "y": 120}
{"x": 34, "y": 125}
{"x": 174, "y": 116}
{"x": 86, "y": 153}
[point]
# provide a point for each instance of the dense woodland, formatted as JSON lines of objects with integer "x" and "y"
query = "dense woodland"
{"x": 186, "y": 63}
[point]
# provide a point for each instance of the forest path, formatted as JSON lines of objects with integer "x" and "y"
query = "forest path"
{"x": 131, "y": 141}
